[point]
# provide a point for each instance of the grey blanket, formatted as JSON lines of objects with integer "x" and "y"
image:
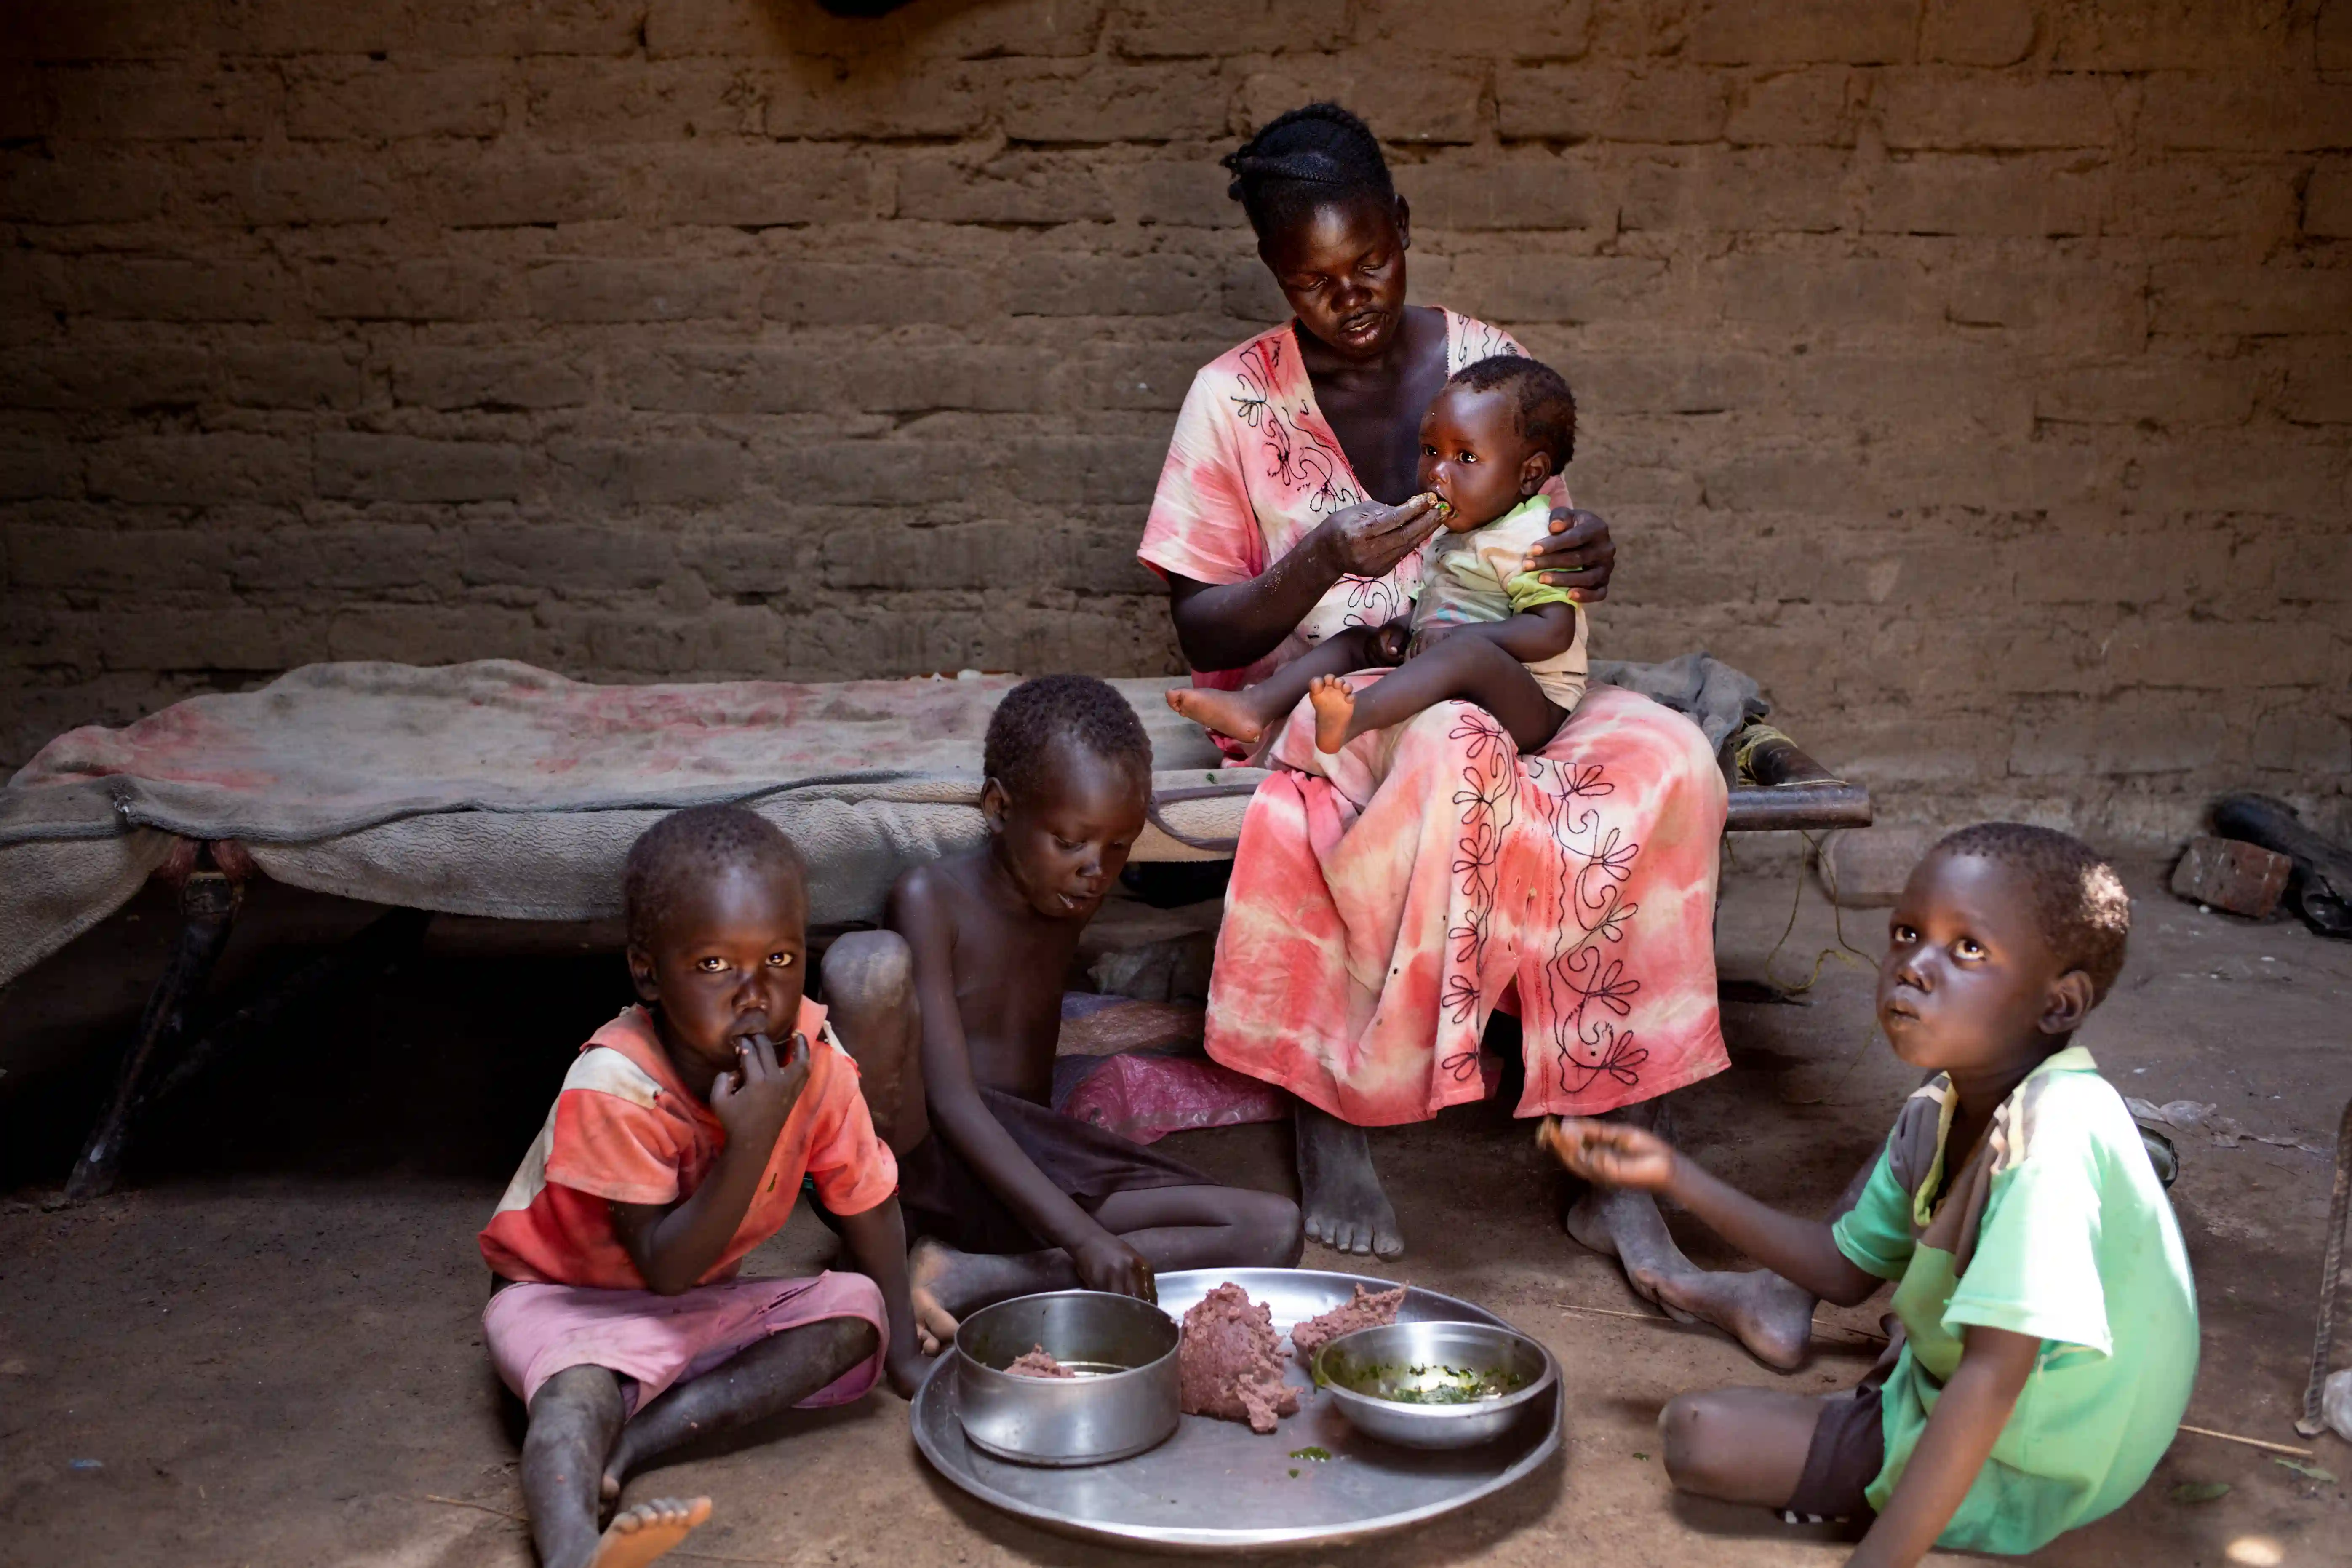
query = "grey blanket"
{"x": 497, "y": 789}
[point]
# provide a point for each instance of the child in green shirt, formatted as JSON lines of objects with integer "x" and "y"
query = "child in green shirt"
{"x": 2049, "y": 1323}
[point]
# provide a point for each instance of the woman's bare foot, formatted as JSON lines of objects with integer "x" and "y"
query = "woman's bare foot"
{"x": 1230, "y": 713}
{"x": 1339, "y": 1192}
{"x": 638, "y": 1535}
{"x": 929, "y": 1266}
{"x": 1334, "y": 711}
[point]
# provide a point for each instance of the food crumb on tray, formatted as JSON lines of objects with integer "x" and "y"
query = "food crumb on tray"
{"x": 1231, "y": 1364}
{"x": 1035, "y": 1362}
{"x": 1365, "y": 1309}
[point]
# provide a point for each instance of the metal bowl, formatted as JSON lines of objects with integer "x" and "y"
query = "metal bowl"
{"x": 1123, "y": 1402}
{"x": 1367, "y": 1370}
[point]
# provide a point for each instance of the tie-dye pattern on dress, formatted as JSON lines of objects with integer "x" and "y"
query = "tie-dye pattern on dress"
{"x": 1386, "y": 899}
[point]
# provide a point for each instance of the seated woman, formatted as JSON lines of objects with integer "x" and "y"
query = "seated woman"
{"x": 1381, "y": 912}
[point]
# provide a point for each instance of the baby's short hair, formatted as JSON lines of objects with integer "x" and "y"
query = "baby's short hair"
{"x": 2078, "y": 900}
{"x": 1547, "y": 407}
{"x": 688, "y": 848}
{"x": 1077, "y": 708}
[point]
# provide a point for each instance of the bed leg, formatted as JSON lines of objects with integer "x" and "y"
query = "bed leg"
{"x": 387, "y": 939}
{"x": 208, "y": 905}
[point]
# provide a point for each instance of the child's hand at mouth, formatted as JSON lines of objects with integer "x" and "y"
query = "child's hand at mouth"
{"x": 753, "y": 1101}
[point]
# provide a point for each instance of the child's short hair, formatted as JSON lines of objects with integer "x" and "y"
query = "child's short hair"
{"x": 2078, "y": 899}
{"x": 1547, "y": 407}
{"x": 689, "y": 847}
{"x": 1077, "y": 708}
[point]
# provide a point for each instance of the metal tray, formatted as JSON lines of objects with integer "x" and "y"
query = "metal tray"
{"x": 1216, "y": 1486}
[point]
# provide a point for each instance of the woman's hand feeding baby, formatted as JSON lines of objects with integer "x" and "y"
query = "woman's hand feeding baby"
{"x": 1369, "y": 539}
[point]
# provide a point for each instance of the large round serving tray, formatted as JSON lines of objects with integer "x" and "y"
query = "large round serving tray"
{"x": 1216, "y": 1486}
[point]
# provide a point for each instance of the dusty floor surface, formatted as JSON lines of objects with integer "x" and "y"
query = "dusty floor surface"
{"x": 266, "y": 1350}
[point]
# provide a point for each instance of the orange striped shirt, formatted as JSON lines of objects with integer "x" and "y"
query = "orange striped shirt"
{"x": 625, "y": 1130}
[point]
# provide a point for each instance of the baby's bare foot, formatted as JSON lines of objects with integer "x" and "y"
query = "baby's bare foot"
{"x": 928, "y": 1267}
{"x": 1227, "y": 712}
{"x": 1335, "y": 710}
{"x": 638, "y": 1535}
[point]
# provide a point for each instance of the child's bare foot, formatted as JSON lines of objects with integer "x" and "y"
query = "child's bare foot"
{"x": 1772, "y": 1317}
{"x": 638, "y": 1535}
{"x": 1587, "y": 1224}
{"x": 1335, "y": 710}
{"x": 1227, "y": 712}
{"x": 928, "y": 1267}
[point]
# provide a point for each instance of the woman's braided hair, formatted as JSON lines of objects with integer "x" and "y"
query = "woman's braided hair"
{"x": 1308, "y": 158}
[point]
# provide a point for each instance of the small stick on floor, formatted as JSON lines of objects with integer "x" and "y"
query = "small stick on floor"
{"x": 477, "y": 1507}
{"x": 1864, "y": 1336}
{"x": 2249, "y": 1442}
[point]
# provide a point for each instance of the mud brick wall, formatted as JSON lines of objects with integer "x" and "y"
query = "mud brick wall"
{"x": 1975, "y": 371}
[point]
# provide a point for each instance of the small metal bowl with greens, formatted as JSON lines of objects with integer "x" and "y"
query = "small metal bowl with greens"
{"x": 1434, "y": 1385}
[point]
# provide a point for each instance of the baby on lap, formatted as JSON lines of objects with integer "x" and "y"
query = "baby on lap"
{"x": 1483, "y": 629}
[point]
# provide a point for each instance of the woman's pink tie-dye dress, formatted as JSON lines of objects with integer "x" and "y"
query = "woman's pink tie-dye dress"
{"x": 1385, "y": 900}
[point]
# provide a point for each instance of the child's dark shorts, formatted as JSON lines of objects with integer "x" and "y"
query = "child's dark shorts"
{"x": 944, "y": 1198}
{"x": 1849, "y": 1449}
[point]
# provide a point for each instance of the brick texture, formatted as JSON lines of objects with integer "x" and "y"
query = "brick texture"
{"x": 1977, "y": 374}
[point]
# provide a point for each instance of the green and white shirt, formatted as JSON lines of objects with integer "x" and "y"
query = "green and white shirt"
{"x": 2057, "y": 1228}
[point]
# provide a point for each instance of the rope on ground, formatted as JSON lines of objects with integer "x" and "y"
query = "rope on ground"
{"x": 476, "y": 1507}
{"x": 2331, "y": 1280}
{"x": 1845, "y": 951}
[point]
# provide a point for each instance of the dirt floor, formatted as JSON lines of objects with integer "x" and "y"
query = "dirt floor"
{"x": 266, "y": 1349}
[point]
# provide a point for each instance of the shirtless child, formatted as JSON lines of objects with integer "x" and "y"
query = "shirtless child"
{"x": 2049, "y": 1325}
{"x": 677, "y": 1145}
{"x": 1483, "y": 628}
{"x": 1004, "y": 1195}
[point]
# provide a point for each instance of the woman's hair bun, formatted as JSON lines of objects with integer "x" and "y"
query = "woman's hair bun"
{"x": 1310, "y": 156}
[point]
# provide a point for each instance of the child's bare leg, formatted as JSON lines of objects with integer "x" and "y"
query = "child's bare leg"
{"x": 869, "y": 990}
{"x": 574, "y": 1418}
{"x": 766, "y": 1379}
{"x": 1772, "y": 1316}
{"x": 1463, "y": 667}
{"x": 1742, "y": 1445}
{"x": 1173, "y": 1227}
{"x": 1247, "y": 714}
{"x": 1206, "y": 1227}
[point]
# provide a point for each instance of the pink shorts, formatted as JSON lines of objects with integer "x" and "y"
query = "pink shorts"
{"x": 536, "y": 1331}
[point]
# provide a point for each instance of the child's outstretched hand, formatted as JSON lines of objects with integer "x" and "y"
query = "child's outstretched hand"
{"x": 753, "y": 1101}
{"x": 1609, "y": 1152}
